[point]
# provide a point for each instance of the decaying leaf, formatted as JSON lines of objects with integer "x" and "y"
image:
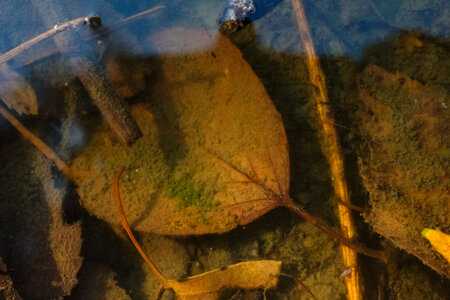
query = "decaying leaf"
{"x": 16, "y": 92}
{"x": 406, "y": 124}
{"x": 245, "y": 275}
{"x": 214, "y": 145}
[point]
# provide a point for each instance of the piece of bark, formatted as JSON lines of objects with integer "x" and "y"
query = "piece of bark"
{"x": 113, "y": 108}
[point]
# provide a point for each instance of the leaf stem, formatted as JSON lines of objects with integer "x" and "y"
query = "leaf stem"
{"x": 164, "y": 282}
{"x": 338, "y": 237}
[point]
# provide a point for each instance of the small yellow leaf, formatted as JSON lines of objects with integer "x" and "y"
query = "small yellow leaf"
{"x": 245, "y": 275}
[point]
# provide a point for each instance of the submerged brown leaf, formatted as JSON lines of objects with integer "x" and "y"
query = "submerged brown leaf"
{"x": 406, "y": 124}
{"x": 214, "y": 145}
{"x": 16, "y": 92}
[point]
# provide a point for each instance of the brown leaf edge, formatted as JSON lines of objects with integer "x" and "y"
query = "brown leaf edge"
{"x": 247, "y": 275}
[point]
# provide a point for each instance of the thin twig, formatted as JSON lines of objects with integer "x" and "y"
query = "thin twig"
{"x": 353, "y": 207}
{"x": 129, "y": 19}
{"x": 46, "y": 150}
{"x": 28, "y": 44}
{"x": 55, "y": 30}
{"x": 299, "y": 283}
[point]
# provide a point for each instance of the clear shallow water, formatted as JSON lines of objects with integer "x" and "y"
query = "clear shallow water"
{"x": 342, "y": 32}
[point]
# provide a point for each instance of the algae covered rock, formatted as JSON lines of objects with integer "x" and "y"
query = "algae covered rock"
{"x": 406, "y": 166}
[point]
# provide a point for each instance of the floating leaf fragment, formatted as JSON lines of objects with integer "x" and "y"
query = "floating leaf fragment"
{"x": 16, "y": 92}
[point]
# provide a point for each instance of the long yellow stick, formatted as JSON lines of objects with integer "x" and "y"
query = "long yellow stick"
{"x": 332, "y": 149}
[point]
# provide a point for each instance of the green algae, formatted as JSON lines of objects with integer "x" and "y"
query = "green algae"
{"x": 189, "y": 193}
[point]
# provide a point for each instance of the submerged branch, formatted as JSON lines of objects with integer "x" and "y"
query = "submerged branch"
{"x": 114, "y": 109}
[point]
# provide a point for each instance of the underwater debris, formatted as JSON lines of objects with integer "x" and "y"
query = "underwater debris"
{"x": 114, "y": 109}
{"x": 229, "y": 207}
{"x": 234, "y": 175}
{"x": 95, "y": 22}
{"x": 98, "y": 281}
{"x": 41, "y": 248}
